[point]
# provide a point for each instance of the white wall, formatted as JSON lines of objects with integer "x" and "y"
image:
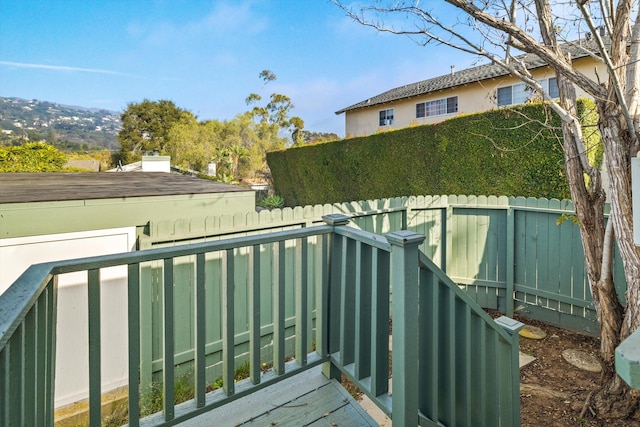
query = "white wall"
{"x": 72, "y": 383}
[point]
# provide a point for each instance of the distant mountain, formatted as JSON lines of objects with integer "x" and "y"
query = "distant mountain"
{"x": 66, "y": 127}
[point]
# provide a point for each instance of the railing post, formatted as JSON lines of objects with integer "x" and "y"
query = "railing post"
{"x": 512, "y": 327}
{"x": 404, "y": 311}
{"x": 510, "y": 246}
{"x": 329, "y": 323}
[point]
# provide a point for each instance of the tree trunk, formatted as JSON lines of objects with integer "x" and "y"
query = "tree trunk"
{"x": 615, "y": 399}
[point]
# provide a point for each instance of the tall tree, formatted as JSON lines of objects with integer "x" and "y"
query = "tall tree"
{"x": 277, "y": 110}
{"x": 498, "y": 30}
{"x": 145, "y": 126}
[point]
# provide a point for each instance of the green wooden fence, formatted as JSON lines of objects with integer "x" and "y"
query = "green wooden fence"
{"x": 510, "y": 254}
{"x": 347, "y": 276}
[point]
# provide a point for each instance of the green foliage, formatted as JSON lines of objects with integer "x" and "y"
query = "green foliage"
{"x": 271, "y": 202}
{"x": 309, "y": 137}
{"x": 590, "y": 132}
{"x": 276, "y": 111}
{"x": 243, "y": 371}
{"x": 568, "y": 217}
{"x": 145, "y": 127}
{"x": 501, "y": 152}
{"x": 238, "y": 146}
{"x": 31, "y": 157}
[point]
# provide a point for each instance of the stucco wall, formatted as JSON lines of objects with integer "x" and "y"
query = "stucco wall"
{"x": 472, "y": 98}
{"x": 72, "y": 365}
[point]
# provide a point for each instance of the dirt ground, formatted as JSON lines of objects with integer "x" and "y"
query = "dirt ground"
{"x": 553, "y": 392}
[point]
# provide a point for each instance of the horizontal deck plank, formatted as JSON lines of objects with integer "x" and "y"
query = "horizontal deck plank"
{"x": 303, "y": 399}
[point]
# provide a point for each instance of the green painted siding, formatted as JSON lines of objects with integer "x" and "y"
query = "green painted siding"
{"x": 32, "y": 219}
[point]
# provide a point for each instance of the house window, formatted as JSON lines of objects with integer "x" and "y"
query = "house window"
{"x": 437, "y": 107}
{"x": 386, "y": 117}
{"x": 521, "y": 92}
{"x": 554, "y": 92}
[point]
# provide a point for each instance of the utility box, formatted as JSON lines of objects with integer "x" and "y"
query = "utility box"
{"x": 635, "y": 198}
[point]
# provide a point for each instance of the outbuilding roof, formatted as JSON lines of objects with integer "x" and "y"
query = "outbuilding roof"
{"x": 578, "y": 49}
{"x": 59, "y": 186}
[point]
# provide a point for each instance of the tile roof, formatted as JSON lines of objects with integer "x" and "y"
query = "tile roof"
{"x": 470, "y": 75}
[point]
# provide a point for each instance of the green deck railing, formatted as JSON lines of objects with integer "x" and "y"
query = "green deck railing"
{"x": 452, "y": 363}
{"x": 344, "y": 273}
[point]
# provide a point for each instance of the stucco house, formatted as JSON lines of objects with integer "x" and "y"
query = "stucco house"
{"x": 466, "y": 91}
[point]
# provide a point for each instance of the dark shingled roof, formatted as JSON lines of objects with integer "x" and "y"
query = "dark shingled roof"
{"x": 58, "y": 186}
{"x": 462, "y": 77}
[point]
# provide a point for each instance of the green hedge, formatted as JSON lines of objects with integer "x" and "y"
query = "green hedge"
{"x": 500, "y": 152}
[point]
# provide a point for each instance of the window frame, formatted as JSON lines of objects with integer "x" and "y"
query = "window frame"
{"x": 386, "y": 117}
{"x": 424, "y": 107}
{"x": 524, "y": 88}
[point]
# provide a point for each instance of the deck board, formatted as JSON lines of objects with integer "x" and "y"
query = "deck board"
{"x": 307, "y": 399}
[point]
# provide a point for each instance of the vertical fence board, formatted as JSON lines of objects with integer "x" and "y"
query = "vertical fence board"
{"x": 30, "y": 366}
{"x": 566, "y": 240}
{"x": 347, "y": 303}
{"x": 301, "y": 301}
{"x": 279, "y": 307}
{"x": 228, "y": 316}
{"x": 200, "y": 334}
{"x": 530, "y": 261}
{"x": 553, "y": 259}
{"x": 95, "y": 383}
{"x": 52, "y": 303}
{"x": 168, "y": 342}
{"x": 334, "y": 292}
{"x": 133, "y": 302}
{"x": 184, "y": 280}
{"x": 41, "y": 355}
{"x": 254, "y": 311}
{"x": 380, "y": 331}
{"x": 544, "y": 251}
{"x": 147, "y": 310}
{"x": 428, "y": 342}
{"x": 363, "y": 318}
{"x": 322, "y": 297}
{"x": 15, "y": 351}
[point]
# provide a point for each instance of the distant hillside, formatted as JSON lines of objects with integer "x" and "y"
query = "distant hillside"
{"x": 66, "y": 127}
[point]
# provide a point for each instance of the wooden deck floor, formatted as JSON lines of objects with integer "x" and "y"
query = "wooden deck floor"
{"x": 307, "y": 399}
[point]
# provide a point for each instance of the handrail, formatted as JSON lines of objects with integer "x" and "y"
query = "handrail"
{"x": 16, "y": 301}
{"x": 469, "y": 373}
{"x": 353, "y": 274}
{"x": 28, "y": 319}
{"x": 435, "y": 341}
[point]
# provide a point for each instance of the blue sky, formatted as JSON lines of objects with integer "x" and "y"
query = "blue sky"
{"x": 205, "y": 55}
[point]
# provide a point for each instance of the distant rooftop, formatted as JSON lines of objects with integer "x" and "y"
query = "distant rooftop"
{"x": 54, "y": 186}
{"x": 578, "y": 49}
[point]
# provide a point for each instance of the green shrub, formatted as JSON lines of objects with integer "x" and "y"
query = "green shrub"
{"x": 31, "y": 157}
{"x": 500, "y": 152}
{"x": 271, "y": 202}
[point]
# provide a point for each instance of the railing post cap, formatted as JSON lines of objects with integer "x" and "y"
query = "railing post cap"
{"x": 336, "y": 219}
{"x": 510, "y": 325}
{"x": 405, "y": 237}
